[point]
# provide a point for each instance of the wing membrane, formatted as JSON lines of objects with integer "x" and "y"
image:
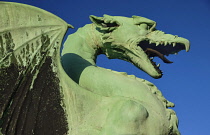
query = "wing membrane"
{"x": 30, "y": 40}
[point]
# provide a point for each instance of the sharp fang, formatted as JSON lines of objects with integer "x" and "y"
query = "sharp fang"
{"x": 150, "y": 42}
{"x": 174, "y": 44}
{"x": 158, "y": 65}
{"x": 175, "y": 53}
{"x": 165, "y": 43}
{"x": 187, "y": 46}
{"x": 157, "y": 43}
{"x": 151, "y": 58}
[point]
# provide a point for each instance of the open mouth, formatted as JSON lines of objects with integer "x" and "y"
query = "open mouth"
{"x": 161, "y": 49}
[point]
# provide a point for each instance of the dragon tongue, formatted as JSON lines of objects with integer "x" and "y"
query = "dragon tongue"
{"x": 151, "y": 53}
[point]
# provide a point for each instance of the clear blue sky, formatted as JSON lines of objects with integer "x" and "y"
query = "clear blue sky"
{"x": 186, "y": 82}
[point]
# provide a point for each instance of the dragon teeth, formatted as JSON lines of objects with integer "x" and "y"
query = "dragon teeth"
{"x": 158, "y": 65}
{"x": 165, "y": 43}
{"x": 157, "y": 43}
{"x": 150, "y": 42}
{"x": 174, "y": 44}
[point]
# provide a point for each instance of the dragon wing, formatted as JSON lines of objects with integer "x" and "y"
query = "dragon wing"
{"x": 30, "y": 40}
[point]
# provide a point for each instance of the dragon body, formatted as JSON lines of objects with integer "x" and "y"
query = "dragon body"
{"x": 43, "y": 93}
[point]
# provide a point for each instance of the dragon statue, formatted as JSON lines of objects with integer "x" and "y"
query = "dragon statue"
{"x": 43, "y": 92}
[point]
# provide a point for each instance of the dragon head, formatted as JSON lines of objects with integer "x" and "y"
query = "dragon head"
{"x": 137, "y": 41}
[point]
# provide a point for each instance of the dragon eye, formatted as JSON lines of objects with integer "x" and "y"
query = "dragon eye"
{"x": 144, "y": 26}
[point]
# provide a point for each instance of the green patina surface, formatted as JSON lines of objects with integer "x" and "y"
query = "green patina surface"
{"x": 86, "y": 99}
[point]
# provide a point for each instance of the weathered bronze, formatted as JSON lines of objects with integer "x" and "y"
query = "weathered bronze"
{"x": 42, "y": 92}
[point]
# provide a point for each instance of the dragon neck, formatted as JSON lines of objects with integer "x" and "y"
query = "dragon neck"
{"x": 81, "y": 50}
{"x": 85, "y": 43}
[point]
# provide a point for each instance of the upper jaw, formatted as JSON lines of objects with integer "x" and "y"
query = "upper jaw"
{"x": 176, "y": 43}
{"x": 166, "y": 47}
